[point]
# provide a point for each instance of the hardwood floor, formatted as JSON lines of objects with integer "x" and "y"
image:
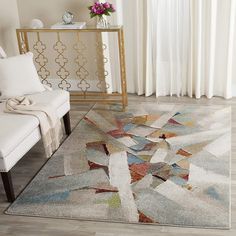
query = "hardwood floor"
{"x": 30, "y": 164}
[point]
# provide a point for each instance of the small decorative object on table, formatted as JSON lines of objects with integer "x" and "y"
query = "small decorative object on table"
{"x": 74, "y": 25}
{"x": 68, "y": 18}
{"x": 36, "y": 24}
{"x": 2, "y": 56}
{"x": 101, "y": 10}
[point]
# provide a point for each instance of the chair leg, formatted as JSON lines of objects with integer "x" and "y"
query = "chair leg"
{"x": 7, "y": 183}
{"x": 66, "y": 119}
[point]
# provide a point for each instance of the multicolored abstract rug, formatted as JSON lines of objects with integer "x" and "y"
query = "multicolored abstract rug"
{"x": 154, "y": 163}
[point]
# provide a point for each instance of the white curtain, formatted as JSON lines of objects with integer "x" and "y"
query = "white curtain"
{"x": 179, "y": 47}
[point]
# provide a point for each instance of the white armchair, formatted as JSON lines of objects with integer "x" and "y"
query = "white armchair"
{"x": 19, "y": 133}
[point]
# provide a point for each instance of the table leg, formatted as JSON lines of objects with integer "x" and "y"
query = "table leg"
{"x": 122, "y": 67}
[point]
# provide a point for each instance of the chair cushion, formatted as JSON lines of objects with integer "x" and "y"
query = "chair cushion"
{"x": 14, "y": 128}
{"x": 18, "y": 76}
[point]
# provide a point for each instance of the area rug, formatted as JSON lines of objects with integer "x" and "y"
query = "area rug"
{"x": 154, "y": 163}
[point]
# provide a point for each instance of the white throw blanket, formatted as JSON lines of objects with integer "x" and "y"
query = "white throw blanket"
{"x": 50, "y": 125}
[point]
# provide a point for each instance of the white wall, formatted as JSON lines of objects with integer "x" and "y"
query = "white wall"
{"x": 50, "y": 11}
{"x": 9, "y": 21}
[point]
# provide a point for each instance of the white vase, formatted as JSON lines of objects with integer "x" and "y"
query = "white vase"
{"x": 102, "y": 22}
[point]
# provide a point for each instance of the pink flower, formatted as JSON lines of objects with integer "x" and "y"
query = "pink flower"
{"x": 97, "y": 3}
{"x": 112, "y": 8}
{"x": 99, "y": 9}
{"x": 93, "y": 9}
{"x": 106, "y": 5}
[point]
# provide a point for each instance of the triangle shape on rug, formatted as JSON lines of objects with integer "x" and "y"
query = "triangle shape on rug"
{"x": 144, "y": 219}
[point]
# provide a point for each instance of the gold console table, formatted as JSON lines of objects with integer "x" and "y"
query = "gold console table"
{"x": 62, "y": 54}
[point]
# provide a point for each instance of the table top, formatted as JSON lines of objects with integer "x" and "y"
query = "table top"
{"x": 111, "y": 28}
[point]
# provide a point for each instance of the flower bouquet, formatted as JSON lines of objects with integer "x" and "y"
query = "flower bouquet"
{"x": 100, "y": 10}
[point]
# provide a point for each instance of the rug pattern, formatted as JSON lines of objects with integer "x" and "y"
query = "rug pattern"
{"x": 154, "y": 163}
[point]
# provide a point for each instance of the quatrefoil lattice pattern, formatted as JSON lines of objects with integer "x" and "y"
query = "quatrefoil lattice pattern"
{"x": 81, "y": 61}
{"x": 101, "y": 60}
{"x": 61, "y": 61}
{"x": 42, "y": 61}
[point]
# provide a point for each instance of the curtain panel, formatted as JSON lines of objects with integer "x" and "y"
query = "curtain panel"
{"x": 179, "y": 47}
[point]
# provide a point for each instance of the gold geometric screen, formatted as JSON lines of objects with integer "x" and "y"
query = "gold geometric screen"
{"x": 78, "y": 61}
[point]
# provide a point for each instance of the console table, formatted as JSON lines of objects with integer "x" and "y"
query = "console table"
{"x": 68, "y": 59}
